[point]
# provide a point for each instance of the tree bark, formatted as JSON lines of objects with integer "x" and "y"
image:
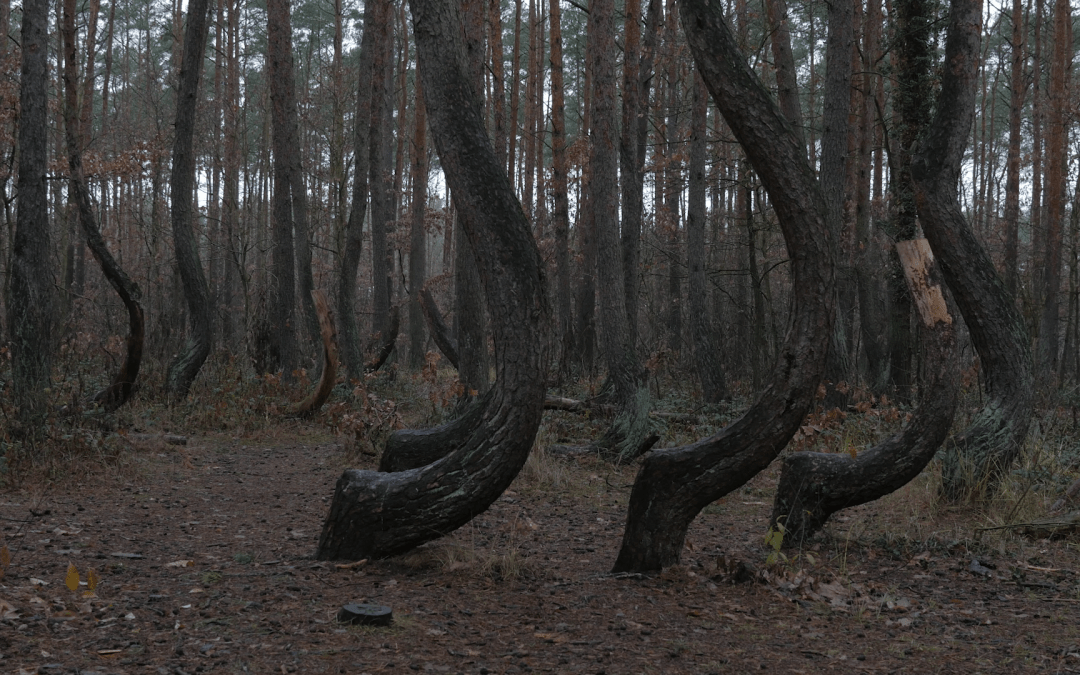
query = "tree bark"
{"x": 993, "y": 440}
{"x": 787, "y": 87}
{"x": 834, "y": 167}
{"x": 560, "y": 189}
{"x": 1056, "y": 161}
{"x": 283, "y": 342}
{"x": 914, "y": 96}
{"x": 354, "y": 228}
{"x": 1017, "y": 89}
{"x": 706, "y": 354}
{"x": 119, "y": 391}
{"x": 815, "y": 485}
{"x": 382, "y": 176}
{"x": 418, "y": 233}
{"x": 674, "y": 484}
{"x": 186, "y": 365}
{"x": 381, "y": 514}
{"x": 30, "y": 296}
{"x": 328, "y": 372}
{"x": 631, "y": 424}
{"x": 872, "y": 290}
{"x": 469, "y": 319}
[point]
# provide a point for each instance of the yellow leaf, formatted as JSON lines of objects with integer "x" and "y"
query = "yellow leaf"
{"x": 92, "y": 580}
{"x": 72, "y": 578}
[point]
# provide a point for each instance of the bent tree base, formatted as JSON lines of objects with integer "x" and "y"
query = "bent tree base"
{"x": 815, "y": 485}
{"x": 375, "y": 514}
{"x": 414, "y": 448}
{"x": 673, "y": 485}
{"x": 976, "y": 459}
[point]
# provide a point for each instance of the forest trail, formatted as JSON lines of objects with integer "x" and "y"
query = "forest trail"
{"x": 524, "y": 588}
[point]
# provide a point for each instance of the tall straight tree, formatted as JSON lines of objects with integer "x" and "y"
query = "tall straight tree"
{"x": 417, "y": 235}
{"x": 626, "y": 437}
{"x": 354, "y": 228}
{"x": 30, "y": 299}
{"x": 382, "y": 174}
{"x": 834, "y": 164}
{"x": 1017, "y": 89}
{"x": 186, "y": 365}
{"x": 284, "y": 349}
{"x": 706, "y": 355}
{"x": 1057, "y": 137}
{"x": 560, "y": 188}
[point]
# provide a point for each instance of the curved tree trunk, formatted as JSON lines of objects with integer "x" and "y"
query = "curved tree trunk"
{"x": 414, "y": 448}
{"x": 328, "y": 372}
{"x": 976, "y": 457}
{"x": 354, "y": 228}
{"x": 185, "y": 366}
{"x": 382, "y": 344}
{"x": 380, "y": 514}
{"x": 440, "y": 332}
{"x": 815, "y": 485}
{"x": 119, "y": 391}
{"x": 674, "y": 484}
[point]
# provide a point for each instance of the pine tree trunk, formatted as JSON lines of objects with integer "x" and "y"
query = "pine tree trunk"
{"x": 560, "y": 191}
{"x": 815, "y": 485}
{"x": 29, "y": 294}
{"x": 354, "y": 228}
{"x": 1017, "y": 89}
{"x": 1056, "y": 160}
{"x": 186, "y": 365}
{"x": 674, "y": 484}
{"x": 381, "y": 514}
{"x": 977, "y": 457}
{"x": 705, "y": 345}
{"x": 417, "y": 233}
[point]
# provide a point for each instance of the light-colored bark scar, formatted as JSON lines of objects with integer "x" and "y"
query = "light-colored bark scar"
{"x": 917, "y": 260}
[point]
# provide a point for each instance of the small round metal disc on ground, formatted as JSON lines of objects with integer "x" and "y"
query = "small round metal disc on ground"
{"x": 366, "y": 615}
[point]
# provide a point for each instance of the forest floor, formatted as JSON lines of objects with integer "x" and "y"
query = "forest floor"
{"x": 202, "y": 558}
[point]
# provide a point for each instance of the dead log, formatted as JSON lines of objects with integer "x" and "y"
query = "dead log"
{"x": 375, "y": 514}
{"x": 123, "y": 383}
{"x": 315, "y": 400}
{"x": 440, "y": 333}
{"x": 815, "y": 485}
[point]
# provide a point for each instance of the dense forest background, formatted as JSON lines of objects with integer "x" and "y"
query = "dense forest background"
{"x": 707, "y": 276}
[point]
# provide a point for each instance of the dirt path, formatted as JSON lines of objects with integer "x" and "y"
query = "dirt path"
{"x": 524, "y": 588}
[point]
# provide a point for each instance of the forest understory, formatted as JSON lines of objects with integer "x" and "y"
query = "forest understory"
{"x": 202, "y": 554}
